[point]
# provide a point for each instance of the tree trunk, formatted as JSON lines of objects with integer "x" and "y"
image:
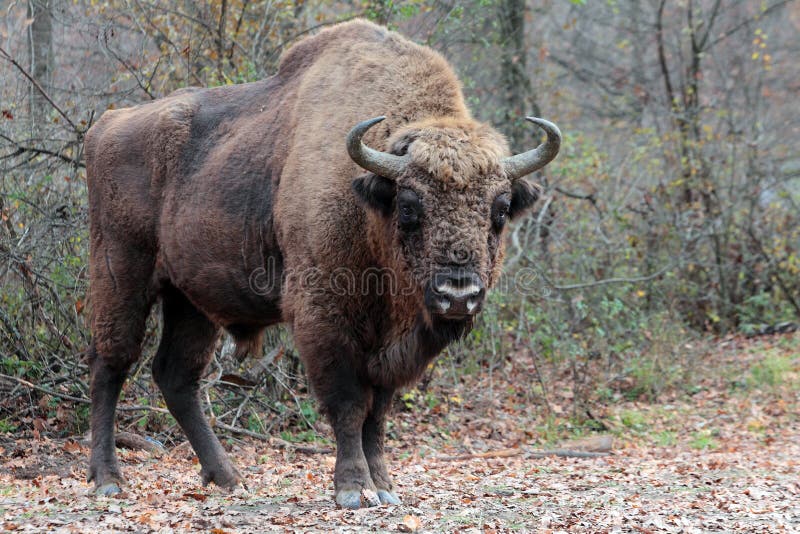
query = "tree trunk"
{"x": 640, "y": 43}
{"x": 40, "y": 50}
{"x": 515, "y": 85}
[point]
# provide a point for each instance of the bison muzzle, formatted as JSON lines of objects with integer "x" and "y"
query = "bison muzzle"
{"x": 376, "y": 257}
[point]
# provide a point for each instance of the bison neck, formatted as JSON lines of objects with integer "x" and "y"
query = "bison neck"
{"x": 402, "y": 360}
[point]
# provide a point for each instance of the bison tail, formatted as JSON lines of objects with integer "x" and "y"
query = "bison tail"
{"x": 249, "y": 341}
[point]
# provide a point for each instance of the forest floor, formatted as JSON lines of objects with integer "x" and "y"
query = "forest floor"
{"x": 723, "y": 455}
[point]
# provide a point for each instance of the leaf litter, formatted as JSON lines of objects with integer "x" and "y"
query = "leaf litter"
{"x": 731, "y": 464}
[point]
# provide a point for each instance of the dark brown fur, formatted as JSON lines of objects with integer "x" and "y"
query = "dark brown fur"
{"x": 195, "y": 196}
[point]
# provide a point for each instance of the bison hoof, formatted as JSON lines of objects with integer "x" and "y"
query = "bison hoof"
{"x": 228, "y": 479}
{"x": 354, "y": 499}
{"x": 388, "y": 497}
{"x": 109, "y": 489}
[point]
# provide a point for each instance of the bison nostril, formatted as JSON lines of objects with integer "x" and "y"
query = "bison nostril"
{"x": 459, "y": 288}
{"x": 459, "y": 292}
{"x": 455, "y": 292}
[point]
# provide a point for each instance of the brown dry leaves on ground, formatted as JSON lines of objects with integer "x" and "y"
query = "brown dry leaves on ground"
{"x": 723, "y": 459}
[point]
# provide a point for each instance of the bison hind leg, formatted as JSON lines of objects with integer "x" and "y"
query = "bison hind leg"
{"x": 186, "y": 347}
{"x": 107, "y": 376}
{"x": 120, "y": 309}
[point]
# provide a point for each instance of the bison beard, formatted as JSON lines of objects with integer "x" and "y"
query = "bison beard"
{"x": 192, "y": 194}
{"x": 404, "y": 360}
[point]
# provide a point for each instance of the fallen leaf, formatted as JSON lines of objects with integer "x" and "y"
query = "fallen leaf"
{"x": 71, "y": 446}
{"x": 411, "y": 523}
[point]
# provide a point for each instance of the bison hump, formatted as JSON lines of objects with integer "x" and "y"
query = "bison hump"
{"x": 172, "y": 131}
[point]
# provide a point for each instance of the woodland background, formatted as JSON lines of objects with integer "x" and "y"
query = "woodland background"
{"x": 671, "y": 216}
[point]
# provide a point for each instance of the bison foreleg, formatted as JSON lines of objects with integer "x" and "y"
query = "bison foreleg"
{"x": 346, "y": 402}
{"x": 183, "y": 354}
{"x": 373, "y": 438}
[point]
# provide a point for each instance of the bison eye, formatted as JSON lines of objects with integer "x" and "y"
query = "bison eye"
{"x": 409, "y": 210}
{"x": 500, "y": 209}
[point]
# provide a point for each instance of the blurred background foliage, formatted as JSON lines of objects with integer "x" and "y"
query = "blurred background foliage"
{"x": 670, "y": 215}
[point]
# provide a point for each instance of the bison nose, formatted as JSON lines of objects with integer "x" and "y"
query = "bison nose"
{"x": 455, "y": 293}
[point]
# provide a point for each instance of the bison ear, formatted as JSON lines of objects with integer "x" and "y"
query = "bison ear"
{"x": 523, "y": 196}
{"x": 376, "y": 192}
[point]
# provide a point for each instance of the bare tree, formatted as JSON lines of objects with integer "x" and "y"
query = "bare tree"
{"x": 515, "y": 87}
{"x": 40, "y": 50}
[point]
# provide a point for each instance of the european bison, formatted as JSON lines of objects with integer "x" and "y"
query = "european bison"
{"x": 249, "y": 205}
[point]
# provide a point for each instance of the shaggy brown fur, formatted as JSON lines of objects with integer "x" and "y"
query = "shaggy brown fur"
{"x": 195, "y": 196}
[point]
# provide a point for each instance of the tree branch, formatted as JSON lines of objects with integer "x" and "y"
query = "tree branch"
{"x": 607, "y": 281}
{"x": 130, "y": 68}
{"x": 280, "y": 46}
{"x": 745, "y": 23}
{"x": 22, "y": 149}
{"x": 38, "y": 87}
{"x": 662, "y": 58}
{"x": 43, "y": 389}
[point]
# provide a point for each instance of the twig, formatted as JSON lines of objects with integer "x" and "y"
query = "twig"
{"x": 141, "y": 408}
{"x": 304, "y": 449}
{"x": 14, "y": 333}
{"x": 31, "y": 385}
{"x": 501, "y": 453}
{"x": 81, "y": 400}
{"x": 787, "y": 291}
{"x": 237, "y": 28}
{"x": 744, "y": 24}
{"x": 241, "y": 431}
{"x": 607, "y": 281}
{"x": 565, "y": 453}
{"x": 223, "y": 12}
{"x": 32, "y": 288}
{"x": 296, "y": 36}
{"x": 275, "y": 442}
{"x": 509, "y": 453}
{"x": 130, "y": 68}
{"x": 135, "y": 442}
{"x": 38, "y": 87}
{"x": 21, "y": 149}
{"x": 591, "y": 197}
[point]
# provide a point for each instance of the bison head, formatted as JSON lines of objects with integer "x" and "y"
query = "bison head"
{"x": 442, "y": 197}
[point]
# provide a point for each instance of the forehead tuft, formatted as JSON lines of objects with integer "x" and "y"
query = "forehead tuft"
{"x": 456, "y": 152}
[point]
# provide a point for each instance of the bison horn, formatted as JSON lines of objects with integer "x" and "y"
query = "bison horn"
{"x": 381, "y": 163}
{"x": 521, "y": 164}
